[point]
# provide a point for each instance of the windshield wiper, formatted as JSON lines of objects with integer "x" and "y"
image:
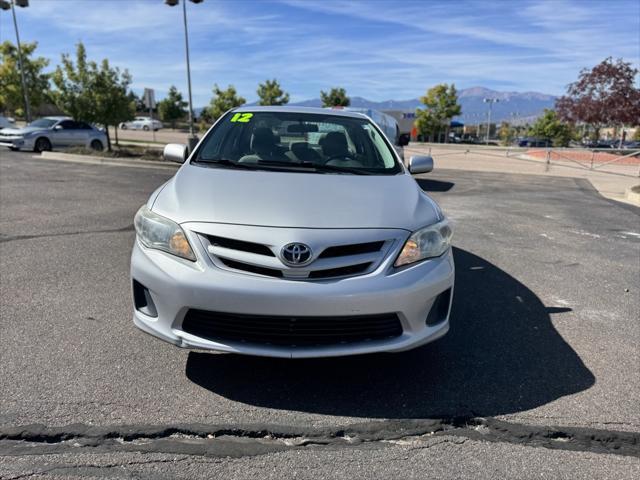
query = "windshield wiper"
{"x": 227, "y": 163}
{"x": 335, "y": 168}
{"x": 313, "y": 166}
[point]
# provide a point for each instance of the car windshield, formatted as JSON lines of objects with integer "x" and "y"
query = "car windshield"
{"x": 43, "y": 123}
{"x": 319, "y": 143}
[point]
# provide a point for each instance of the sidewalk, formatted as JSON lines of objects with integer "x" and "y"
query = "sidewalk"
{"x": 611, "y": 183}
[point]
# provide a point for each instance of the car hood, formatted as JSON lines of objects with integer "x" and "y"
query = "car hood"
{"x": 296, "y": 200}
{"x": 20, "y": 131}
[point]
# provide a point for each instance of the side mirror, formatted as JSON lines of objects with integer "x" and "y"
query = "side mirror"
{"x": 420, "y": 164}
{"x": 403, "y": 140}
{"x": 175, "y": 152}
{"x": 57, "y": 128}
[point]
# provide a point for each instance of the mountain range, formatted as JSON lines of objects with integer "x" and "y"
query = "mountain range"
{"x": 511, "y": 106}
{"x": 515, "y": 107}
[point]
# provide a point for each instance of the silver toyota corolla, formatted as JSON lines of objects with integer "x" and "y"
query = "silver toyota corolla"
{"x": 293, "y": 232}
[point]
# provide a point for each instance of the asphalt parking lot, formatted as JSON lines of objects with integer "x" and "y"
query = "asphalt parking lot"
{"x": 538, "y": 377}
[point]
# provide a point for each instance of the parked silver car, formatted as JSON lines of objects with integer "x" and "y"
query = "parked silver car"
{"x": 142, "y": 123}
{"x": 53, "y": 132}
{"x": 293, "y": 232}
{"x": 6, "y": 122}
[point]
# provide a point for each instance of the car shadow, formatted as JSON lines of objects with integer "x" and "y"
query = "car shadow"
{"x": 502, "y": 355}
{"x": 429, "y": 185}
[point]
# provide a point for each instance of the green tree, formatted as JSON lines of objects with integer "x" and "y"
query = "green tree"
{"x": 172, "y": 107}
{"x": 92, "y": 93}
{"x": 441, "y": 105}
{"x": 11, "y": 95}
{"x": 112, "y": 104}
{"x": 550, "y": 127}
{"x": 222, "y": 101}
{"x": 427, "y": 124}
{"x": 271, "y": 93}
{"x": 337, "y": 97}
{"x": 507, "y": 133}
{"x": 137, "y": 102}
{"x": 74, "y": 86}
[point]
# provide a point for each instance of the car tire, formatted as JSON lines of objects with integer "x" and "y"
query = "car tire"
{"x": 42, "y": 145}
{"x": 145, "y": 128}
{"x": 123, "y": 127}
{"x": 97, "y": 145}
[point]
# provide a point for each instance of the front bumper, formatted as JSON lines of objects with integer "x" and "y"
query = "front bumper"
{"x": 176, "y": 286}
{"x": 15, "y": 142}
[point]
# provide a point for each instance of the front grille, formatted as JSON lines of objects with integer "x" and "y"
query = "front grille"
{"x": 340, "y": 271}
{"x": 241, "y": 245}
{"x": 291, "y": 331}
{"x": 336, "y": 259}
{"x": 247, "y": 267}
{"x": 355, "y": 249}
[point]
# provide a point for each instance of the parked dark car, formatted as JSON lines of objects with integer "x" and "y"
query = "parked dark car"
{"x": 533, "y": 142}
{"x": 601, "y": 144}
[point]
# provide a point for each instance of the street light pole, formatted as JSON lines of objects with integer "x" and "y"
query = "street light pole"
{"x": 490, "y": 101}
{"x": 25, "y": 94}
{"x": 193, "y": 139}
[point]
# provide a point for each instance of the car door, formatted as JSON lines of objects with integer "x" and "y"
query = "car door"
{"x": 62, "y": 133}
{"x": 82, "y": 134}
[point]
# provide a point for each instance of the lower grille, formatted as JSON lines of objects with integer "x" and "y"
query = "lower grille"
{"x": 291, "y": 331}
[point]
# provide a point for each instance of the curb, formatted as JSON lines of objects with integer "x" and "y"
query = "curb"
{"x": 632, "y": 194}
{"x": 95, "y": 160}
{"x": 135, "y": 143}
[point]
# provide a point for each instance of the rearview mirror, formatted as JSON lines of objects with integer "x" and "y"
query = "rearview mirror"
{"x": 302, "y": 128}
{"x": 420, "y": 164}
{"x": 175, "y": 152}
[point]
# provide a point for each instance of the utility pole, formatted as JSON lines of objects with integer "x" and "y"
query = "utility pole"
{"x": 5, "y": 5}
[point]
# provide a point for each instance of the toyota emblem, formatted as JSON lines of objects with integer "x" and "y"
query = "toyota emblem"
{"x": 296, "y": 254}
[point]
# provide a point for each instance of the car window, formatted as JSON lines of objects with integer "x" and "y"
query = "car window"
{"x": 43, "y": 123}
{"x": 68, "y": 125}
{"x": 83, "y": 126}
{"x": 310, "y": 139}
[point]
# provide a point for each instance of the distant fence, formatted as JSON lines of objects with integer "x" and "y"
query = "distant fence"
{"x": 627, "y": 162}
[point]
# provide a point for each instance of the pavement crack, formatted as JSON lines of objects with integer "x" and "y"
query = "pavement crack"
{"x": 226, "y": 441}
{"x": 10, "y": 238}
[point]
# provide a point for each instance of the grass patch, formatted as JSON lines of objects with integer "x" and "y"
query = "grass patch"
{"x": 141, "y": 153}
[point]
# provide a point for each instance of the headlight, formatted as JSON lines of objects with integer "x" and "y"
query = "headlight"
{"x": 428, "y": 242}
{"x": 155, "y": 231}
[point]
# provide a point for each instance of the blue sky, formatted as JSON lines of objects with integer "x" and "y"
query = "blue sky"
{"x": 375, "y": 49}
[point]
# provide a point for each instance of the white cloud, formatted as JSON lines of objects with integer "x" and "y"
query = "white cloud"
{"x": 392, "y": 50}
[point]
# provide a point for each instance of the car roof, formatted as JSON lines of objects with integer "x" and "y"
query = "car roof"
{"x": 293, "y": 109}
{"x": 58, "y": 118}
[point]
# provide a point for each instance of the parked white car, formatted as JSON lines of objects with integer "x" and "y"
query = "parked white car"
{"x": 6, "y": 122}
{"x": 142, "y": 123}
{"x": 51, "y": 132}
